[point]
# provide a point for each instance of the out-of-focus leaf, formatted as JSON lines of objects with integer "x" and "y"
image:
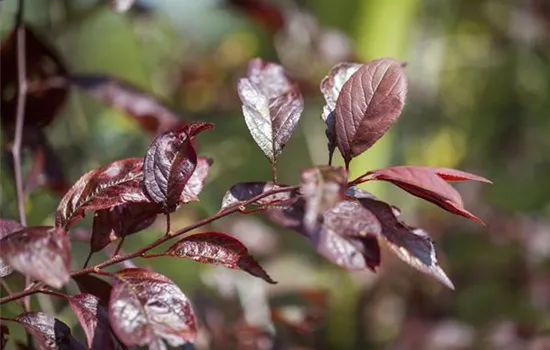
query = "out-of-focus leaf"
{"x": 95, "y": 286}
{"x": 244, "y": 191}
{"x": 322, "y": 188}
{"x": 331, "y": 86}
{"x": 412, "y": 245}
{"x": 146, "y": 109}
{"x": 49, "y": 333}
{"x": 108, "y": 186}
{"x": 194, "y": 186}
{"x": 146, "y": 306}
{"x": 121, "y": 5}
{"x": 122, "y": 220}
{"x": 272, "y": 105}
{"x": 261, "y": 11}
{"x": 7, "y": 227}
{"x": 429, "y": 183}
{"x": 43, "y": 102}
{"x": 218, "y": 249}
{"x": 41, "y": 252}
{"x": 169, "y": 163}
{"x": 94, "y": 319}
{"x": 4, "y": 333}
{"x": 369, "y": 103}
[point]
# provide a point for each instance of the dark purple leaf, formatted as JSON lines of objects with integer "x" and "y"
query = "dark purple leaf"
{"x": 41, "y": 252}
{"x": 146, "y": 109}
{"x": 122, "y": 220}
{"x": 94, "y": 319}
{"x": 146, "y": 306}
{"x": 410, "y": 244}
{"x": 196, "y": 182}
{"x": 331, "y": 86}
{"x": 169, "y": 163}
{"x": 4, "y": 333}
{"x": 111, "y": 185}
{"x": 218, "y": 249}
{"x": 272, "y": 105}
{"x": 244, "y": 191}
{"x": 322, "y": 188}
{"x": 95, "y": 286}
{"x": 429, "y": 183}
{"x": 49, "y": 333}
{"x": 7, "y": 227}
{"x": 369, "y": 103}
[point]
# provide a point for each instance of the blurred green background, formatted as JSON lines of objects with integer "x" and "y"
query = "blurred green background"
{"x": 479, "y": 75}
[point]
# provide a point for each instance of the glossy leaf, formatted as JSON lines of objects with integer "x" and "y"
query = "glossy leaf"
{"x": 196, "y": 182}
{"x": 429, "y": 183}
{"x": 94, "y": 319}
{"x": 218, "y": 249}
{"x": 49, "y": 333}
{"x": 410, "y": 244}
{"x": 122, "y": 220}
{"x": 146, "y": 109}
{"x": 41, "y": 252}
{"x": 331, "y": 86}
{"x": 108, "y": 186}
{"x": 169, "y": 163}
{"x": 322, "y": 188}
{"x": 244, "y": 191}
{"x": 7, "y": 227}
{"x": 95, "y": 286}
{"x": 146, "y": 306}
{"x": 272, "y": 105}
{"x": 369, "y": 103}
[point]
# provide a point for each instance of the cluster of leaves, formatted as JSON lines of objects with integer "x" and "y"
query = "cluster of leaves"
{"x": 342, "y": 222}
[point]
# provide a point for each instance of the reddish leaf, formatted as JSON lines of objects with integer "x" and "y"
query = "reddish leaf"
{"x": 331, "y": 86}
{"x": 244, "y": 191}
{"x": 322, "y": 188}
{"x": 370, "y": 102}
{"x": 95, "y": 286}
{"x": 262, "y": 12}
{"x": 169, "y": 163}
{"x": 272, "y": 105}
{"x": 41, "y": 252}
{"x": 42, "y": 62}
{"x": 218, "y": 249}
{"x": 457, "y": 175}
{"x": 7, "y": 227}
{"x": 195, "y": 128}
{"x": 410, "y": 244}
{"x": 151, "y": 114}
{"x": 122, "y": 220}
{"x": 196, "y": 182}
{"x": 4, "y": 333}
{"x": 49, "y": 333}
{"x": 146, "y": 306}
{"x": 428, "y": 183}
{"x": 94, "y": 319}
{"x": 111, "y": 185}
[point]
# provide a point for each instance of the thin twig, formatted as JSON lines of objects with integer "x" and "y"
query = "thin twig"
{"x": 35, "y": 288}
{"x": 119, "y": 246}
{"x": 168, "y": 228}
{"x": 88, "y": 259}
{"x": 274, "y": 172}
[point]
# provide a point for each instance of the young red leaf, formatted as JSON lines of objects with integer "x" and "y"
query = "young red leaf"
{"x": 49, "y": 333}
{"x": 322, "y": 188}
{"x": 369, "y": 103}
{"x": 272, "y": 105}
{"x": 94, "y": 319}
{"x": 412, "y": 245}
{"x": 218, "y": 249}
{"x": 331, "y": 86}
{"x": 122, "y": 220}
{"x": 108, "y": 186}
{"x": 146, "y": 109}
{"x": 169, "y": 163}
{"x": 7, "y": 227}
{"x": 146, "y": 306}
{"x": 457, "y": 175}
{"x": 196, "y": 182}
{"x": 242, "y": 192}
{"x": 427, "y": 183}
{"x": 95, "y": 286}
{"x": 41, "y": 252}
